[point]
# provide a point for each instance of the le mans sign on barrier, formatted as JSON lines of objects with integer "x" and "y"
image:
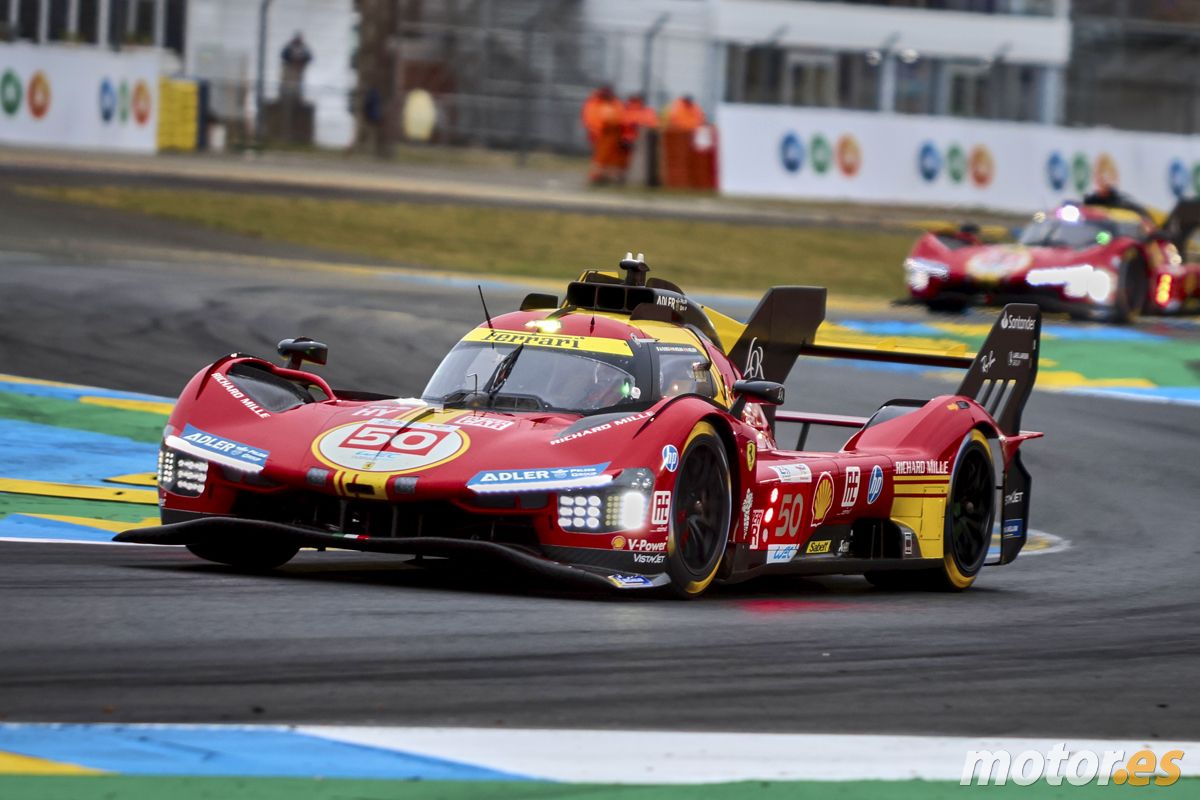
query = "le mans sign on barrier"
{"x": 825, "y": 154}
{"x": 74, "y": 97}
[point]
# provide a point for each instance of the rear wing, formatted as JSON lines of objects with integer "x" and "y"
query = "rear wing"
{"x": 1182, "y": 222}
{"x": 784, "y": 325}
{"x": 1001, "y": 375}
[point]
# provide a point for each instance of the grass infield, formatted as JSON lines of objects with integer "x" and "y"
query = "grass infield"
{"x": 536, "y": 243}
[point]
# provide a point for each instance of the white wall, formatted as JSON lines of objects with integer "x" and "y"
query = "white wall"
{"x": 946, "y": 34}
{"x": 222, "y": 44}
{"x": 767, "y": 151}
{"x": 82, "y": 98}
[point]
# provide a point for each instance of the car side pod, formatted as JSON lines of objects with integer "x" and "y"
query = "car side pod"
{"x": 999, "y": 378}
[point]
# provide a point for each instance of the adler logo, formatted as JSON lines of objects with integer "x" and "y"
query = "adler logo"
{"x": 1017, "y": 323}
{"x": 679, "y": 304}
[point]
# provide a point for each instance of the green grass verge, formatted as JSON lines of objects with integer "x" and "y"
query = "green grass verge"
{"x": 154, "y": 788}
{"x": 535, "y": 243}
{"x": 140, "y": 426}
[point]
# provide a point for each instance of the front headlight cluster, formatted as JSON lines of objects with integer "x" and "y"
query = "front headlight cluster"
{"x": 918, "y": 271}
{"x": 181, "y": 474}
{"x": 1076, "y": 281}
{"x": 620, "y": 506}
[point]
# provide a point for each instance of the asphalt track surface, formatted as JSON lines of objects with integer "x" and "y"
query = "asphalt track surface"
{"x": 1098, "y": 640}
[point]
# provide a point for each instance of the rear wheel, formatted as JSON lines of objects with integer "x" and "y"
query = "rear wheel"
{"x": 1132, "y": 289}
{"x": 246, "y": 555}
{"x": 700, "y": 513}
{"x": 967, "y": 536}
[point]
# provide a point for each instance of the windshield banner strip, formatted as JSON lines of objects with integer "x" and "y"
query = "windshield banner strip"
{"x": 592, "y": 344}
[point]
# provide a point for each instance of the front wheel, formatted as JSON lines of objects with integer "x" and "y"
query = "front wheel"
{"x": 967, "y": 536}
{"x": 700, "y": 513}
{"x": 246, "y": 555}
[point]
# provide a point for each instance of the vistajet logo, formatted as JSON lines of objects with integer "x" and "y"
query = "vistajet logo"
{"x": 1076, "y": 767}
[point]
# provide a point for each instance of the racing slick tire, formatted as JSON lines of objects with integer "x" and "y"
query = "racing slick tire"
{"x": 248, "y": 556}
{"x": 701, "y": 513}
{"x": 946, "y": 305}
{"x": 970, "y": 510}
{"x": 1133, "y": 286}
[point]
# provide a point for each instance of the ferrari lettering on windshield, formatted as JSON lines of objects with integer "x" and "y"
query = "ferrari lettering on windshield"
{"x": 594, "y": 344}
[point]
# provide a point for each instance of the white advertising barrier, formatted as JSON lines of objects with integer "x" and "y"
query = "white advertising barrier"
{"x": 772, "y": 151}
{"x": 76, "y": 97}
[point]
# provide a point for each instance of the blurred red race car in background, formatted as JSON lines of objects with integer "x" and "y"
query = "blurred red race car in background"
{"x": 1106, "y": 258}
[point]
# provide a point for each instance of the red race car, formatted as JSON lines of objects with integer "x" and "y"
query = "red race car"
{"x": 625, "y": 436}
{"x": 1105, "y": 259}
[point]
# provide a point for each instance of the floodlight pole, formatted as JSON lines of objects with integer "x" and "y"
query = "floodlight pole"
{"x": 648, "y": 54}
{"x": 260, "y": 78}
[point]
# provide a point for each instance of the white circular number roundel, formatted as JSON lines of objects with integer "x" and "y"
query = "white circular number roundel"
{"x": 372, "y": 447}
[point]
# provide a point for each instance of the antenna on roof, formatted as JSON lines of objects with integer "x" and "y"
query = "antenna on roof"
{"x": 487, "y": 316}
{"x": 635, "y": 269}
{"x": 483, "y": 302}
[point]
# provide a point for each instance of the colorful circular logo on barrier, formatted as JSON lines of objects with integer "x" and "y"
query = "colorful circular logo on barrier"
{"x": 1057, "y": 171}
{"x": 141, "y": 103}
{"x": 108, "y": 100}
{"x": 1178, "y": 178}
{"x": 822, "y": 154}
{"x": 791, "y": 152}
{"x": 1081, "y": 172}
{"x": 983, "y": 166}
{"x": 1107, "y": 174}
{"x": 10, "y": 92}
{"x": 849, "y": 155}
{"x": 123, "y": 102}
{"x": 956, "y": 163}
{"x": 38, "y": 95}
{"x": 929, "y": 162}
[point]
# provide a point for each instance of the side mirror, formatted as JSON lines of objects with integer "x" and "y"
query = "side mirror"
{"x": 302, "y": 349}
{"x": 538, "y": 301}
{"x": 767, "y": 393}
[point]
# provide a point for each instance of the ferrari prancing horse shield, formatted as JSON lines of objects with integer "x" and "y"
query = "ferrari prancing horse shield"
{"x": 384, "y": 445}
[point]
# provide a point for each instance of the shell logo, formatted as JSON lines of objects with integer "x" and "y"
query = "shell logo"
{"x": 849, "y": 155}
{"x": 822, "y": 498}
{"x": 982, "y": 166}
{"x": 1107, "y": 174}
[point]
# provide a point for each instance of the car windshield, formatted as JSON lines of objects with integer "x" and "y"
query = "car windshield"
{"x": 534, "y": 378}
{"x": 1078, "y": 235}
